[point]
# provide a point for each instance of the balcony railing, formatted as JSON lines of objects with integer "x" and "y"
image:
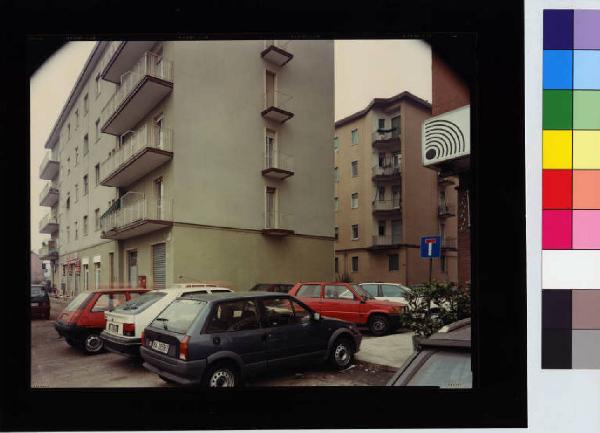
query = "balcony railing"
{"x": 278, "y": 223}
{"x": 387, "y": 240}
{"x": 446, "y": 210}
{"x": 383, "y": 138}
{"x": 390, "y": 170}
{"x": 49, "y": 251}
{"x": 278, "y": 165}
{"x": 49, "y": 195}
{"x": 150, "y": 65}
{"x": 277, "y": 106}
{"x": 136, "y": 210}
{"x": 128, "y": 163}
{"x": 48, "y": 224}
{"x": 49, "y": 167}
{"x": 387, "y": 205}
{"x": 276, "y": 52}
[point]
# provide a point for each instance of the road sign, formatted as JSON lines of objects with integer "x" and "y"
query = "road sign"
{"x": 431, "y": 247}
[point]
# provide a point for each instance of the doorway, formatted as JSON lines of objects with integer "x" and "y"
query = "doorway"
{"x": 133, "y": 268}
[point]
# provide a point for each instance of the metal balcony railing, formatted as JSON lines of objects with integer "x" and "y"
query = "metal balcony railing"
{"x": 148, "y": 135}
{"x": 49, "y": 188}
{"x": 446, "y": 209}
{"x": 381, "y": 241}
{"x": 48, "y": 219}
{"x": 278, "y": 220}
{"x": 277, "y": 99}
{"x": 150, "y": 64}
{"x": 380, "y": 205}
{"x": 137, "y": 209}
{"x": 390, "y": 170}
{"x": 386, "y": 134}
{"x": 278, "y": 160}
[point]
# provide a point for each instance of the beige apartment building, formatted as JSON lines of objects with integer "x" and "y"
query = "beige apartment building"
{"x": 204, "y": 161}
{"x": 386, "y": 200}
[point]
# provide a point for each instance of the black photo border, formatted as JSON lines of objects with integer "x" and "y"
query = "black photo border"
{"x": 499, "y": 396}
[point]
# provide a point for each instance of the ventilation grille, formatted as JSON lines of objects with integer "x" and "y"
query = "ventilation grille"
{"x": 447, "y": 136}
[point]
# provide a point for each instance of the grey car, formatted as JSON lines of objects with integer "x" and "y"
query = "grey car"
{"x": 218, "y": 340}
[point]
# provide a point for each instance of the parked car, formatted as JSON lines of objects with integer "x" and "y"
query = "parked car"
{"x": 387, "y": 291}
{"x": 82, "y": 321}
{"x": 125, "y": 324}
{"x": 218, "y": 340}
{"x": 40, "y": 302}
{"x": 350, "y": 302}
{"x": 442, "y": 360}
{"x": 272, "y": 287}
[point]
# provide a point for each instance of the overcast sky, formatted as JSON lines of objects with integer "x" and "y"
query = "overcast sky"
{"x": 364, "y": 70}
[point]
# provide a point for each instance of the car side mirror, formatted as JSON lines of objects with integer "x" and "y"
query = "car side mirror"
{"x": 316, "y": 316}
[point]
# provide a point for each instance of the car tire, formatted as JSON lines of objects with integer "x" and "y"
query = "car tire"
{"x": 341, "y": 355}
{"x": 93, "y": 344}
{"x": 379, "y": 324}
{"x": 221, "y": 374}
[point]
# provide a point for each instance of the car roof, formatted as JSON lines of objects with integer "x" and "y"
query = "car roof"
{"x": 458, "y": 334}
{"x": 129, "y": 289}
{"x": 209, "y": 297}
{"x": 324, "y": 282}
{"x": 192, "y": 289}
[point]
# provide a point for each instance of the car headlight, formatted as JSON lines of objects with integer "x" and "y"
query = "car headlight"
{"x": 398, "y": 309}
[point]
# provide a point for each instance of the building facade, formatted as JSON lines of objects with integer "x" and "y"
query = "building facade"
{"x": 194, "y": 161}
{"x": 386, "y": 200}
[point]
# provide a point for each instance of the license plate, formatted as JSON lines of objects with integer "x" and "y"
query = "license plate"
{"x": 35, "y": 304}
{"x": 112, "y": 327}
{"x": 159, "y": 346}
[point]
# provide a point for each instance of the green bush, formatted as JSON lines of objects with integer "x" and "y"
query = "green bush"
{"x": 433, "y": 305}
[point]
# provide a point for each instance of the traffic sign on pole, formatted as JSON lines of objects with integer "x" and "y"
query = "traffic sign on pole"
{"x": 431, "y": 247}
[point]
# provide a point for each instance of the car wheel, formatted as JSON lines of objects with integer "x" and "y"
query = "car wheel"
{"x": 221, "y": 374}
{"x": 379, "y": 325}
{"x": 93, "y": 344}
{"x": 342, "y": 353}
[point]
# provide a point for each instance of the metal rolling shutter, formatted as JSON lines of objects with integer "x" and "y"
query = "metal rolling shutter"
{"x": 159, "y": 265}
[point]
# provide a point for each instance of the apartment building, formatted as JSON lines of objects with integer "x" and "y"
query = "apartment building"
{"x": 194, "y": 161}
{"x": 386, "y": 200}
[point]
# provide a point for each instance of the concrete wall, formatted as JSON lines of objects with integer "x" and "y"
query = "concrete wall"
{"x": 143, "y": 246}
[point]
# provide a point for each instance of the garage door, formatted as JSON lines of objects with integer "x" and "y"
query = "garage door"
{"x": 159, "y": 265}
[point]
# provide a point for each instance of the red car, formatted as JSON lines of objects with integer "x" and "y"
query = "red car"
{"x": 351, "y": 303}
{"x": 82, "y": 321}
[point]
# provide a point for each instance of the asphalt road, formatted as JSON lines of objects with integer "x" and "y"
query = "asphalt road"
{"x": 55, "y": 364}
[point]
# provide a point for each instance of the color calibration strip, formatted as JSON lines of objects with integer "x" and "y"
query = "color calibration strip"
{"x": 571, "y": 190}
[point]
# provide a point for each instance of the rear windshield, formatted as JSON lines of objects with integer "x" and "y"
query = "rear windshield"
{"x": 77, "y": 302}
{"x": 37, "y": 291}
{"x": 446, "y": 369}
{"x": 141, "y": 302}
{"x": 179, "y": 315}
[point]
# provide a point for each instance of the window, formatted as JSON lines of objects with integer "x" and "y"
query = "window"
{"x": 337, "y": 233}
{"x": 337, "y": 292}
{"x": 396, "y": 127}
{"x": 97, "y": 84}
{"x": 86, "y": 145}
{"x": 381, "y": 193}
{"x": 86, "y": 105}
{"x": 68, "y": 234}
{"x": 336, "y": 265}
{"x": 354, "y": 232}
{"x": 301, "y": 314}
{"x": 97, "y": 129}
{"x": 85, "y": 185}
{"x": 354, "y": 200}
{"x": 337, "y": 175}
{"x": 394, "y": 263}
{"x": 371, "y": 289}
{"x": 278, "y": 312}
{"x": 389, "y": 290}
{"x": 68, "y": 202}
{"x": 76, "y": 193}
{"x": 179, "y": 315}
{"x": 443, "y": 263}
{"x": 336, "y": 144}
{"x": 85, "y": 225}
{"x": 234, "y": 316}
{"x": 446, "y": 369}
{"x": 336, "y": 203}
{"x": 68, "y": 131}
{"x": 76, "y": 118}
{"x": 76, "y": 231}
{"x": 309, "y": 291}
{"x": 141, "y": 302}
{"x": 381, "y": 124}
{"x": 97, "y": 219}
{"x": 355, "y": 264}
{"x": 354, "y": 168}
{"x": 354, "y": 134}
{"x": 381, "y": 159}
{"x": 76, "y": 156}
{"x": 97, "y": 173}
{"x": 68, "y": 166}
{"x": 381, "y": 228}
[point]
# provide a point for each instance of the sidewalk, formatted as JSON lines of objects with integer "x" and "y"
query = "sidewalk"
{"x": 391, "y": 350}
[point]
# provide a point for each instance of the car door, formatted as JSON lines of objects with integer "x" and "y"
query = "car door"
{"x": 340, "y": 302}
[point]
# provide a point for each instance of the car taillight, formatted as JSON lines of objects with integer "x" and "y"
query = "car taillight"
{"x": 183, "y": 348}
{"x": 129, "y": 329}
{"x": 142, "y": 338}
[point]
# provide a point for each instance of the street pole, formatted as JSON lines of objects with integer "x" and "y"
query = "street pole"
{"x": 430, "y": 265}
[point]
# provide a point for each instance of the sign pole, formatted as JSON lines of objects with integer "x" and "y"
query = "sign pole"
{"x": 430, "y": 265}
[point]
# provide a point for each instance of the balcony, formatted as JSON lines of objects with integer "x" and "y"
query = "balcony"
{"x": 141, "y": 152}
{"x": 278, "y": 165}
{"x": 443, "y": 182}
{"x": 386, "y": 207}
{"x": 120, "y": 56}
{"x": 49, "y": 251}
{"x": 386, "y": 139}
{"x": 387, "y": 173}
{"x": 134, "y": 215}
{"x": 446, "y": 210}
{"x": 449, "y": 243}
{"x": 49, "y": 167}
{"x": 49, "y": 195}
{"x": 49, "y": 224}
{"x": 277, "y": 107}
{"x": 142, "y": 88}
{"x": 386, "y": 242}
{"x": 276, "y": 52}
{"x": 278, "y": 224}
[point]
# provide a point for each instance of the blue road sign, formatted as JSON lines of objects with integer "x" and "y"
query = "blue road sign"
{"x": 431, "y": 247}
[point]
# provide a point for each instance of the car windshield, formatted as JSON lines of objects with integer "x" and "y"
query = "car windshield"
{"x": 446, "y": 369}
{"x": 179, "y": 315}
{"x": 362, "y": 292}
{"x": 77, "y": 302}
{"x": 37, "y": 291}
{"x": 141, "y": 302}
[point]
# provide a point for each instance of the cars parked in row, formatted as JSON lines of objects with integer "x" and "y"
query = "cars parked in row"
{"x": 217, "y": 340}
{"x": 82, "y": 321}
{"x": 351, "y": 303}
{"x": 125, "y": 324}
{"x": 40, "y": 302}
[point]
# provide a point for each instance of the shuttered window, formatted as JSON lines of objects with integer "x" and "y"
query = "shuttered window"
{"x": 159, "y": 268}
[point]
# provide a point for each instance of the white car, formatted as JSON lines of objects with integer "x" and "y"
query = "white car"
{"x": 387, "y": 291}
{"x": 125, "y": 324}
